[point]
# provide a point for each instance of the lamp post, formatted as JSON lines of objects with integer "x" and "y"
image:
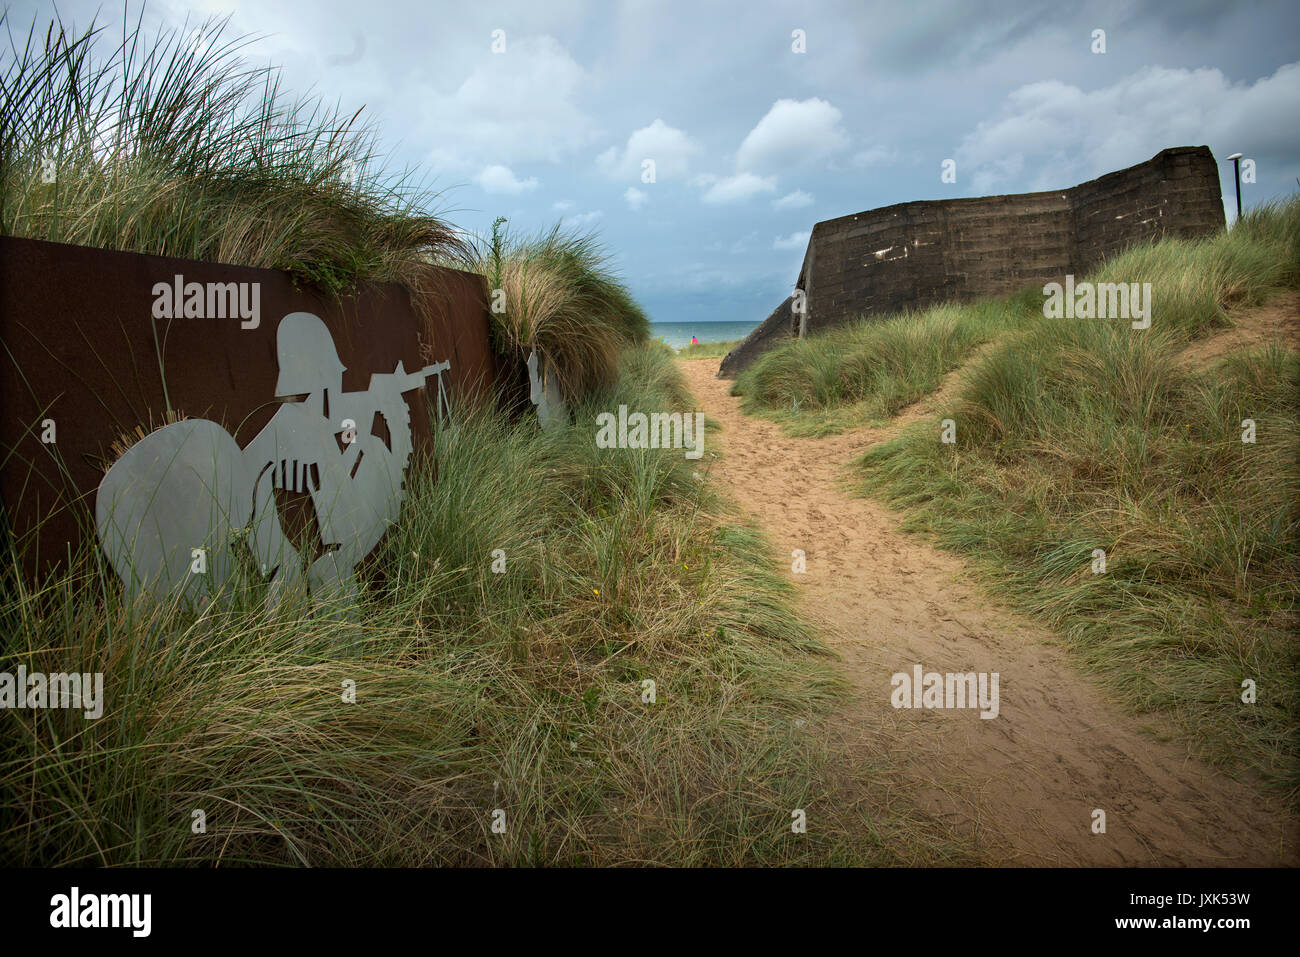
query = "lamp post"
{"x": 1236, "y": 175}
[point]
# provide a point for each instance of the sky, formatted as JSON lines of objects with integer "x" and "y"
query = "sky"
{"x": 761, "y": 118}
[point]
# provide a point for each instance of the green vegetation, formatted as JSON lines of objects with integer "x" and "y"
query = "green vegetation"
{"x": 869, "y": 371}
{"x": 172, "y": 145}
{"x": 559, "y": 296}
{"x": 1082, "y": 434}
{"x": 475, "y": 691}
{"x": 707, "y": 350}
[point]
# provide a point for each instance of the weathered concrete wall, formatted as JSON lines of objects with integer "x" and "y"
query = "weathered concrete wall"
{"x": 779, "y": 325}
{"x": 915, "y": 255}
{"x": 78, "y": 331}
{"x": 1174, "y": 194}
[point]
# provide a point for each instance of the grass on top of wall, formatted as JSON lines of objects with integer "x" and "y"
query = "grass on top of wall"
{"x": 174, "y": 144}
{"x": 555, "y": 292}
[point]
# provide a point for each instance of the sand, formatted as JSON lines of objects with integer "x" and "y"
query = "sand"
{"x": 1023, "y": 786}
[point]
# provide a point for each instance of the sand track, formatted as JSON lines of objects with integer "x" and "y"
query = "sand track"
{"x": 1023, "y": 786}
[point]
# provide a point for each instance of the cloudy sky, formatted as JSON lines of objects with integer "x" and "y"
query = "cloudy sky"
{"x": 753, "y": 142}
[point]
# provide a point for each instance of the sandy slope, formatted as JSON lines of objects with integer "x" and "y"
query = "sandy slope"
{"x": 1277, "y": 319}
{"x": 1023, "y": 785}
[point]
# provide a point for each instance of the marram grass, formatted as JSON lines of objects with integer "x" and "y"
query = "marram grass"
{"x": 707, "y": 350}
{"x": 475, "y": 692}
{"x": 176, "y": 145}
{"x": 1074, "y": 435}
{"x": 555, "y": 293}
{"x": 869, "y": 370}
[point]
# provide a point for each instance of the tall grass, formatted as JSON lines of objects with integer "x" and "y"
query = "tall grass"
{"x": 1199, "y": 529}
{"x": 866, "y": 371}
{"x": 554, "y": 292}
{"x": 475, "y": 691}
{"x": 869, "y": 370}
{"x": 1078, "y": 435}
{"x": 174, "y": 145}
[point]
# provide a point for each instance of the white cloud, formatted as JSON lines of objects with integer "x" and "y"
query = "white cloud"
{"x": 582, "y": 220}
{"x": 1070, "y": 136}
{"x": 636, "y": 198}
{"x": 796, "y": 200}
{"x": 792, "y": 133}
{"x": 560, "y": 205}
{"x": 876, "y": 156}
{"x": 501, "y": 179}
{"x": 514, "y": 108}
{"x": 734, "y": 189}
{"x": 668, "y": 147}
{"x": 793, "y": 241}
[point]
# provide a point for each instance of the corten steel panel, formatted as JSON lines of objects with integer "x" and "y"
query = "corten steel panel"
{"x": 79, "y": 347}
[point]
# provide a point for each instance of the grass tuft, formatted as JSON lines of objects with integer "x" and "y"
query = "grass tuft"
{"x": 175, "y": 145}
{"x": 559, "y": 297}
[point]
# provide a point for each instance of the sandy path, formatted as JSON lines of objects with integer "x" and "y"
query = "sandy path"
{"x": 1276, "y": 319}
{"x": 1023, "y": 785}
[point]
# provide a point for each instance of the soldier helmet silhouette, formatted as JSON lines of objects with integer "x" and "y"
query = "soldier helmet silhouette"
{"x": 308, "y": 360}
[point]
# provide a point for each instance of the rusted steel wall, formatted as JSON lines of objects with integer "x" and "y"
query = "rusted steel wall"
{"x": 82, "y": 348}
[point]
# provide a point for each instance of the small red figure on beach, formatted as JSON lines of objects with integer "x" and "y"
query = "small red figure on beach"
{"x": 694, "y": 341}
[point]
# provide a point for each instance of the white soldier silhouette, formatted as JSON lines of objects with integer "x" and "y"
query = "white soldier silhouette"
{"x": 544, "y": 392}
{"x": 170, "y": 508}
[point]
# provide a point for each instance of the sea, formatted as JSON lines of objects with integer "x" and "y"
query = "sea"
{"x": 678, "y": 334}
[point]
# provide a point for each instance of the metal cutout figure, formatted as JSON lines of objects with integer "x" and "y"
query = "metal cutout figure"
{"x": 544, "y": 392}
{"x": 172, "y": 510}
